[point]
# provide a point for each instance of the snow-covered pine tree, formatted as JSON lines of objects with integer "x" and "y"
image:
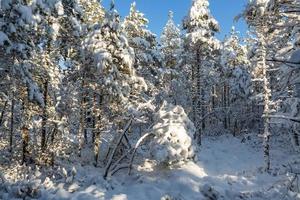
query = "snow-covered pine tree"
{"x": 173, "y": 79}
{"x": 285, "y": 17}
{"x": 171, "y": 43}
{"x": 236, "y": 77}
{"x": 19, "y": 23}
{"x": 111, "y": 69}
{"x": 258, "y": 18}
{"x": 93, "y": 13}
{"x": 147, "y": 57}
{"x": 202, "y": 47}
{"x": 32, "y": 38}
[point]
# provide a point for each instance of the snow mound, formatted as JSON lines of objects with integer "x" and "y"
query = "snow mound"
{"x": 173, "y": 132}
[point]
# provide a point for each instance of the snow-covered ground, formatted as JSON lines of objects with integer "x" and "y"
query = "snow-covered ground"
{"x": 226, "y": 169}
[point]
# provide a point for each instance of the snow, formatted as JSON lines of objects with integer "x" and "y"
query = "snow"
{"x": 3, "y": 38}
{"x": 26, "y": 14}
{"x": 59, "y": 8}
{"x": 226, "y": 168}
{"x": 12, "y": 28}
{"x": 5, "y": 4}
{"x": 295, "y": 57}
{"x": 55, "y": 27}
{"x": 117, "y": 71}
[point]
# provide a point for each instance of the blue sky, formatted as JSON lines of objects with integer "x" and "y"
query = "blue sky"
{"x": 157, "y": 12}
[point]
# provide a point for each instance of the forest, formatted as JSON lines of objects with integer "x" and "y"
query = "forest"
{"x": 94, "y": 105}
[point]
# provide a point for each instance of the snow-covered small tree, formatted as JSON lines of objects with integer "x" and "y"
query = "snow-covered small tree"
{"x": 173, "y": 135}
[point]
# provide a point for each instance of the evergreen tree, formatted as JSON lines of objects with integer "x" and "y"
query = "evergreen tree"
{"x": 171, "y": 43}
{"x": 202, "y": 48}
{"x": 147, "y": 57}
{"x": 237, "y": 80}
{"x": 257, "y": 16}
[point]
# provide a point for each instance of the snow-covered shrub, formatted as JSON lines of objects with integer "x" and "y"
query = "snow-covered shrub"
{"x": 173, "y": 132}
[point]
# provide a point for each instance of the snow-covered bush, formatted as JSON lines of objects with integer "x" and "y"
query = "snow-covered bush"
{"x": 173, "y": 132}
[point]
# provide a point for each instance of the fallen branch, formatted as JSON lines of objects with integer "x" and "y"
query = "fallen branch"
{"x": 115, "y": 167}
{"x": 119, "y": 168}
{"x": 109, "y": 163}
{"x": 120, "y": 159}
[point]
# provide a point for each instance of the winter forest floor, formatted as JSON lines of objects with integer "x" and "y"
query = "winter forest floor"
{"x": 227, "y": 168}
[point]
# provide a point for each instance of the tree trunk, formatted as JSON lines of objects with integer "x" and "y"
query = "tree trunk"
{"x": 225, "y": 105}
{"x": 198, "y": 98}
{"x": 81, "y": 130}
{"x": 194, "y": 96}
{"x": 96, "y": 131}
{"x": 228, "y": 107}
{"x": 3, "y": 112}
{"x": 44, "y": 120}
{"x": 267, "y": 94}
{"x": 11, "y": 122}
{"x": 25, "y": 138}
{"x": 213, "y": 101}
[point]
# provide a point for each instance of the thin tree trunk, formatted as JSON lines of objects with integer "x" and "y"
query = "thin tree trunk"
{"x": 213, "y": 100}
{"x": 198, "y": 98}
{"x": 228, "y": 107}
{"x": 11, "y": 122}
{"x": 203, "y": 109}
{"x": 96, "y": 131}
{"x": 267, "y": 94}
{"x": 25, "y": 138}
{"x": 82, "y": 116}
{"x": 194, "y": 96}
{"x": 225, "y": 105}
{"x": 3, "y": 112}
{"x": 44, "y": 120}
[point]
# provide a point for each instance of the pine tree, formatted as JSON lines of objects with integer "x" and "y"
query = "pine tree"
{"x": 172, "y": 79}
{"x": 257, "y": 17}
{"x": 110, "y": 70}
{"x": 236, "y": 79}
{"x": 171, "y": 43}
{"x": 147, "y": 57}
{"x": 201, "y": 46}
